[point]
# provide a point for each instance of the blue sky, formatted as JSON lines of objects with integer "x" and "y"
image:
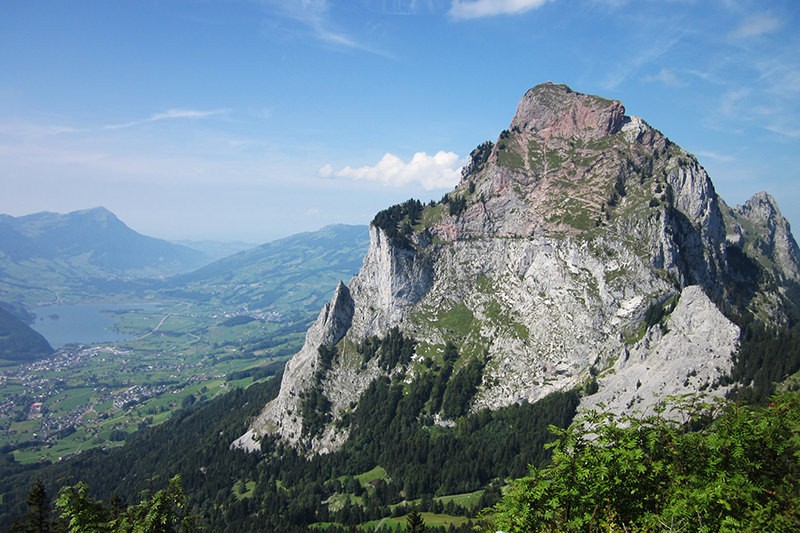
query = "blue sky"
{"x": 252, "y": 120}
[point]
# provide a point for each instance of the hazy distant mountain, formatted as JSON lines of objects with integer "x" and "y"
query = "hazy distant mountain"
{"x": 97, "y": 233}
{"x": 215, "y": 250}
{"x": 44, "y": 253}
{"x": 296, "y": 274}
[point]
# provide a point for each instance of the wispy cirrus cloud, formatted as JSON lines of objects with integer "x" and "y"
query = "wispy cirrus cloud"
{"x": 170, "y": 114}
{"x": 33, "y": 130}
{"x": 439, "y": 171}
{"x": 756, "y": 25}
{"x": 313, "y": 18}
{"x": 716, "y": 156}
{"x": 640, "y": 58}
{"x": 473, "y": 9}
{"x": 784, "y": 129}
{"x": 666, "y": 77}
{"x": 732, "y": 101}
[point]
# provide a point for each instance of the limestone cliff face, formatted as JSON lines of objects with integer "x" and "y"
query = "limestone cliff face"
{"x": 283, "y": 414}
{"x": 760, "y": 227}
{"x": 582, "y": 248}
{"x": 691, "y": 351}
{"x": 390, "y": 282}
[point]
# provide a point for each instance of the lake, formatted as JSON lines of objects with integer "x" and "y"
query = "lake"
{"x": 80, "y": 323}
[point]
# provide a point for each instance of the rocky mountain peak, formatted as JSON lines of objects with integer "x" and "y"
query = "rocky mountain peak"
{"x": 581, "y": 250}
{"x": 574, "y": 164}
{"x": 761, "y": 206}
{"x": 767, "y": 235}
{"x": 551, "y": 110}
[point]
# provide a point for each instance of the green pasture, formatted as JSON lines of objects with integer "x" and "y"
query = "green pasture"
{"x": 369, "y": 476}
{"x": 430, "y": 519}
{"x": 190, "y": 352}
{"x": 69, "y": 400}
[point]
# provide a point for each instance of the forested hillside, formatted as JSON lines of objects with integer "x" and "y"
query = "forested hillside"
{"x": 18, "y": 342}
{"x": 280, "y": 489}
{"x": 719, "y": 467}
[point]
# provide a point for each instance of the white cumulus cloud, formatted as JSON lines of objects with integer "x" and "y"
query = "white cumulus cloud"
{"x": 472, "y": 9}
{"x": 439, "y": 171}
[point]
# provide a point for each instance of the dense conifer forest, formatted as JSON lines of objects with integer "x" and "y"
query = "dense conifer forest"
{"x": 748, "y": 455}
{"x": 282, "y": 489}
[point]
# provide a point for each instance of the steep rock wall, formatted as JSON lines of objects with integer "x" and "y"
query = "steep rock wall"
{"x": 586, "y": 249}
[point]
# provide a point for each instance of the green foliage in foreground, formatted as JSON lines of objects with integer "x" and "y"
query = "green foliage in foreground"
{"x": 163, "y": 512}
{"x": 737, "y": 473}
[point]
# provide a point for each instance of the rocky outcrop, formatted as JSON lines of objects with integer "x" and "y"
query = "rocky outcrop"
{"x": 692, "y": 350}
{"x": 549, "y": 110}
{"x": 390, "y": 282}
{"x": 282, "y": 415}
{"x": 768, "y": 235}
{"x": 696, "y": 224}
{"x": 582, "y": 248}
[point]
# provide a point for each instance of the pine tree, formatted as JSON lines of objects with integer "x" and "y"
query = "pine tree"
{"x": 414, "y": 522}
{"x": 37, "y": 520}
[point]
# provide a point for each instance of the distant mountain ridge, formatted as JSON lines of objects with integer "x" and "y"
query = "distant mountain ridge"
{"x": 293, "y": 275}
{"x": 325, "y": 240}
{"x": 216, "y": 250}
{"x": 46, "y": 252}
{"x": 110, "y": 243}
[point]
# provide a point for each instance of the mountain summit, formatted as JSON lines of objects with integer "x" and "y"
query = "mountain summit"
{"x": 556, "y": 111}
{"x": 581, "y": 250}
{"x": 90, "y": 246}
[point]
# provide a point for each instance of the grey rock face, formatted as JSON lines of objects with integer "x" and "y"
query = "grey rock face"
{"x": 282, "y": 415}
{"x": 770, "y": 236}
{"x": 692, "y": 351}
{"x": 579, "y": 226}
{"x": 391, "y": 281}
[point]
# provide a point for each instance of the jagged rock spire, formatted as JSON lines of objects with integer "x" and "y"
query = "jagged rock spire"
{"x": 772, "y": 238}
